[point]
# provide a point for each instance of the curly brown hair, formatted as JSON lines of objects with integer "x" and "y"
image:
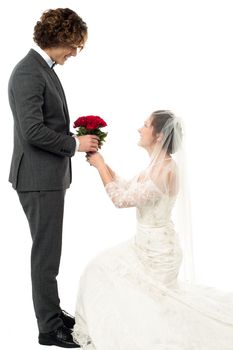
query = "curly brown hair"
{"x": 60, "y": 27}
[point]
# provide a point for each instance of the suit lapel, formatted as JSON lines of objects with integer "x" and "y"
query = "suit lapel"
{"x": 55, "y": 79}
{"x": 59, "y": 88}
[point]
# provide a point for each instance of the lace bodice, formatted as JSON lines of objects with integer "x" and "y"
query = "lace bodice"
{"x": 153, "y": 207}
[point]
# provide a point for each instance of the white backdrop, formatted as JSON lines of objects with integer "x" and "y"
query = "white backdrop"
{"x": 140, "y": 56}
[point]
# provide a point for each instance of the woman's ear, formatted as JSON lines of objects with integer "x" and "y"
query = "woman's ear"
{"x": 159, "y": 137}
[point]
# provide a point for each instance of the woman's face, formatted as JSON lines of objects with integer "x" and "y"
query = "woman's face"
{"x": 147, "y": 138}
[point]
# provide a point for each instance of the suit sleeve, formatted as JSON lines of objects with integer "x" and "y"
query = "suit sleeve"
{"x": 27, "y": 90}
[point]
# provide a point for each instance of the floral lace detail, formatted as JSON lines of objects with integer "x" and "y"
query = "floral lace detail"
{"x": 80, "y": 334}
{"x": 132, "y": 194}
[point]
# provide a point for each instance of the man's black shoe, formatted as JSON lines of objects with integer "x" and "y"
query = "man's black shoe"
{"x": 60, "y": 337}
{"x": 67, "y": 319}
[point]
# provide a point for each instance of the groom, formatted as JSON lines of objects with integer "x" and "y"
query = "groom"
{"x": 41, "y": 162}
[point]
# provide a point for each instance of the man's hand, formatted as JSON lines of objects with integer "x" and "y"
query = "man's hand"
{"x": 88, "y": 143}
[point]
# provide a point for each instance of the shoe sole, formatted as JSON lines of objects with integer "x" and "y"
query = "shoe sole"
{"x": 49, "y": 343}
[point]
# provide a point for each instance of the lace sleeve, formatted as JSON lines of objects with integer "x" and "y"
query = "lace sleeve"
{"x": 121, "y": 182}
{"x": 126, "y": 194}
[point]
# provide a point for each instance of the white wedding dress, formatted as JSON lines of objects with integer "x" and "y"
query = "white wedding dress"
{"x": 130, "y": 297}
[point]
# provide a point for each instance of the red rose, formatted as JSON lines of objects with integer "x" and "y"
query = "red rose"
{"x": 91, "y": 124}
{"x": 82, "y": 121}
{"x": 94, "y": 122}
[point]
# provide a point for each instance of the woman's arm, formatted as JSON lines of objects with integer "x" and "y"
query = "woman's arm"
{"x": 111, "y": 172}
{"x": 106, "y": 173}
{"x": 122, "y": 194}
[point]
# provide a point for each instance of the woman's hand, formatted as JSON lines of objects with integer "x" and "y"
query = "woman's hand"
{"x": 95, "y": 159}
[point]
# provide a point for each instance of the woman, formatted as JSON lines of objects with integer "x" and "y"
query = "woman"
{"x": 130, "y": 296}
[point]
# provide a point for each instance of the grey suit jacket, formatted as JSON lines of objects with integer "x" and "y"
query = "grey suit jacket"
{"x": 43, "y": 145}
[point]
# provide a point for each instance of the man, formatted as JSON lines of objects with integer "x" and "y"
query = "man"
{"x": 41, "y": 161}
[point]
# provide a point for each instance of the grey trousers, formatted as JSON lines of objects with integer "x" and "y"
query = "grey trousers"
{"x": 44, "y": 212}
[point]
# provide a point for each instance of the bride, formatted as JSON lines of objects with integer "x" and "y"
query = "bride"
{"x": 131, "y": 297}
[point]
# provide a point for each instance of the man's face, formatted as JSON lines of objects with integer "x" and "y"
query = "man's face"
{"x": 61, "y": 54}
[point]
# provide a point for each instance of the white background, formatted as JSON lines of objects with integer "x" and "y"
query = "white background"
{"x": 140, "y": 56}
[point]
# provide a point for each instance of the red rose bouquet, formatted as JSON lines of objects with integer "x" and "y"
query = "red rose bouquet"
{"x": 90, "y": 125}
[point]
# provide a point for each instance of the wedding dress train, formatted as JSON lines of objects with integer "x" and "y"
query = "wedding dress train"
{"x": 130, "y": 297}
